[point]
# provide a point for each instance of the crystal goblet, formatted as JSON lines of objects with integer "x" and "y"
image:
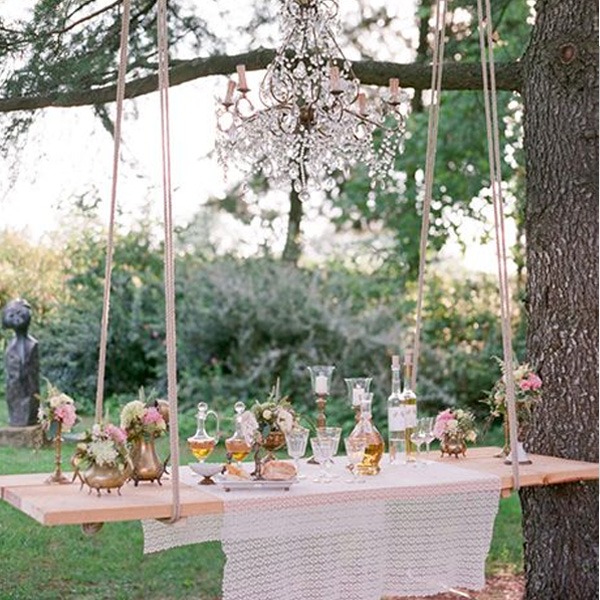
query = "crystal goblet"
{"x": 355, "y": 452}
{"x": 322, "y": 449}
{"x": 296, "y": 441}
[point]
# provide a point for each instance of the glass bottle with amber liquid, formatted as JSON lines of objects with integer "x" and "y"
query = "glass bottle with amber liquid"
{"x": 409, "y": 402}
{"x": 237, "y": 446}
{"x": 374, "y": 444}
{"x": 201, "y": 444}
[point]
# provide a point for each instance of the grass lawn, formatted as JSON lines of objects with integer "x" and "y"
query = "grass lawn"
{"x": 50, "y": 563}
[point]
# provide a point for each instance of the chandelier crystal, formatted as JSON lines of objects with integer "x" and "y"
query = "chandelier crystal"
{"x": 314, "y": 122}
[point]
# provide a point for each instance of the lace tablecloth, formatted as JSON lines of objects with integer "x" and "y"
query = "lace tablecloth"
{"x": 406, "y": 531}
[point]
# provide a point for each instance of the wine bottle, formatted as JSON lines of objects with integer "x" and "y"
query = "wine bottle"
{"x": 396, "y": 423}
{"x": 409, "y": 400}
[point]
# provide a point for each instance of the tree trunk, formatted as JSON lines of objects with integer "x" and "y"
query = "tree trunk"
{"x": 560, "y": 523}
{"x": 293, "y": 245}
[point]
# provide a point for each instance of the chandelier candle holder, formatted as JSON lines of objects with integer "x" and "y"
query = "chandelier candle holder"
{"x": 320, "y": 379}
{"x": 312, "y": 122}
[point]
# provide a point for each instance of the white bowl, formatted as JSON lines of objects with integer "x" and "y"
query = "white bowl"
{"x": 206, "y": 469}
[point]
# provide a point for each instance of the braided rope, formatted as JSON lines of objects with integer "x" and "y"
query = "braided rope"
{"x": 169, "y": 266}
{"x": 493, "y": 139}
{"x": 113, "y": 203}
{"x": 432, "y": 134}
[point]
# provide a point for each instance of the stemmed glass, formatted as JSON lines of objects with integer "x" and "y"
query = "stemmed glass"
{"x": 428, "y": 435}
{"x": 334, "y": 434}
{"x": 355, "y": 452}
{"x": 417, "y": 437}
{"x": 322, "y": 449}
{"x": 296, "y": 441}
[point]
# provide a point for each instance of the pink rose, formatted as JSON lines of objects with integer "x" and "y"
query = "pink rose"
{"x": 441, "y": 422}
{"x": 65, "y": 413}
{"x": 535, "y": 383}
{"x": 525, "y": 385}
{"x": 117, "y": 434}
{"x": 152, "y": 416}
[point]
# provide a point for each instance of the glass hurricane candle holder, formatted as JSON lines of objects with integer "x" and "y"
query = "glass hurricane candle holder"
{"x": 320, "y": 379}
{"x": 357, "y": 387}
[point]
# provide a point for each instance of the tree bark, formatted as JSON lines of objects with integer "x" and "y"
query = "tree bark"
{"x": 293, "y": 245}
{"x": 560, "y": 89}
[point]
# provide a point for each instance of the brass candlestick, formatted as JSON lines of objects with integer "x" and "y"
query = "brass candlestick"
{"x": 57, "y": 476}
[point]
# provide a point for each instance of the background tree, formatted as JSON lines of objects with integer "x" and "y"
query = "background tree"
{"x": 560, "y": 74}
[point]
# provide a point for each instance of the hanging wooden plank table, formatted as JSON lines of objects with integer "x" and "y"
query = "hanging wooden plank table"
{"x": 68, "y": 505}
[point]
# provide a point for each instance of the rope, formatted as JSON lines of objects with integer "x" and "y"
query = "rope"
{"x": 169, "y": 266}
{"x": 493, "y": 139}
{"x": 432, "y": 133}
{"x": 113, "y": 204}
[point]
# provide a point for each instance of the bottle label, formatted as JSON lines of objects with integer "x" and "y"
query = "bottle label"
{"x": 396, "y": 419}
{"x": 410, "y": 415}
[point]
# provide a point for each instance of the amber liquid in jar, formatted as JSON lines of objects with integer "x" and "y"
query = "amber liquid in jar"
{"x": 201, "y": 449}
{"x": 373, "y": 453}
{"x": 238, "y": 449}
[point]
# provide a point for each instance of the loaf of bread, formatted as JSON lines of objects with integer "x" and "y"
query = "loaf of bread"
{"x": 278, "y": 470}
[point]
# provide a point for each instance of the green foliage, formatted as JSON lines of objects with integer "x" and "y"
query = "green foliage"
{"x": 244, "y": 323}
{"x": 136, "y": 318}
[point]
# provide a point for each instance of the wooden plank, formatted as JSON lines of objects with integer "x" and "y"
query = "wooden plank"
{"x": 544, "y": 470}
{"x": 68, "y": 504}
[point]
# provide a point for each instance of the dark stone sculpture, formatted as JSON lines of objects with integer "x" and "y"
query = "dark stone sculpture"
{"x": 22, "y": 366}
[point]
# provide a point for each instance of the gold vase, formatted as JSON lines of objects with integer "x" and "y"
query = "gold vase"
{"x": 105, "y": 477}
{"x": 146, "y": 464}
{"x": 453, "y": 444}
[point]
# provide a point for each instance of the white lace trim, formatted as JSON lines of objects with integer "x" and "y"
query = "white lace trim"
{"x": 407, "y": 531}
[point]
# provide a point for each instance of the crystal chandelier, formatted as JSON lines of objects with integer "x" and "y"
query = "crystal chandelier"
{"x": 314, "y": 122}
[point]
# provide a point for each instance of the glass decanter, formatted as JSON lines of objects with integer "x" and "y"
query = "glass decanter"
{"x": 374, "y": 444}
{"x": 237, "y": 447}
{"x": 201, "y": 444}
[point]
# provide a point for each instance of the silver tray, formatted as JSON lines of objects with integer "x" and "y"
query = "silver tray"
{"x": 254, "y": 484}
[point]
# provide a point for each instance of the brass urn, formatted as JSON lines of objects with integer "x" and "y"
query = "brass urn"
{"x": 146, "y": 464}
{"x": 453, "y": 444}
{"x": 104, "y": 477}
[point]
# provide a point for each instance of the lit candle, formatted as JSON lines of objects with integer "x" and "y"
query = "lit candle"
{"x": 362, "y": 104}
{"x": 321, "y": 387}
{"x": 394, "y": 88}
{"x": 229, "y": 96}
{"x": 242, "y": 85}
{"x": 334, "y": 79}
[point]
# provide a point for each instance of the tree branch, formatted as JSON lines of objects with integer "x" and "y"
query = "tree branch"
{"x": 457, "y": 76}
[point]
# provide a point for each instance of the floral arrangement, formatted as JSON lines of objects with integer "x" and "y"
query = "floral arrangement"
{"x": 455, "y": 421}
{"x": 105, "y": 446}
{"x": 142, "y": 421}
{"x": 56, "y": 408}
{"x": 528, "y": 392}
{"x": 275, "y": 414}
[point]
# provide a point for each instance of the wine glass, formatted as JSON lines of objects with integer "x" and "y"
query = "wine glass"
{"x": 296, "y": 441}
{"x": 322, "y": 449}
{"x": 334, "y": 434}
{"x": 428, "y": 435}
{"x": 417, "y": 437}
{"x": 355, "y": 452}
